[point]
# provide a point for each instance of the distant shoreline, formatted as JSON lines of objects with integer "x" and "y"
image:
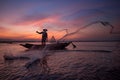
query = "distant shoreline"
{"x": 66, "y": 41}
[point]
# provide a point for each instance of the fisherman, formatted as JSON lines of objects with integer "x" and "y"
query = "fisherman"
{"x": 44, "y": 36}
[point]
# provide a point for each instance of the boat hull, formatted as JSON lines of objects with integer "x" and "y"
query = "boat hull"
{"x": 54, "y": 46}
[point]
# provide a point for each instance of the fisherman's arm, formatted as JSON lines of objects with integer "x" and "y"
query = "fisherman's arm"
{"x": 38, "y": 32}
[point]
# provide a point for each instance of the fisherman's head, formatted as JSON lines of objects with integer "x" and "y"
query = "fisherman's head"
{"x": 45, "y": 30}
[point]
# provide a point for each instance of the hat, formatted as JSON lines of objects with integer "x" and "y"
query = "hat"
{"x": 45, "y": 30}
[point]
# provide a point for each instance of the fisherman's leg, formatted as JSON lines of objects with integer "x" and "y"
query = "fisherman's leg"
{"x": 44, "y": 42}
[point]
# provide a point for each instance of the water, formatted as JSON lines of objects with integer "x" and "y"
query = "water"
{"x": 89, "y": 61}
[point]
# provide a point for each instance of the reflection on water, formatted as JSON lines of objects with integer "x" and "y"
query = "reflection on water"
{"x": 65, "y": 64}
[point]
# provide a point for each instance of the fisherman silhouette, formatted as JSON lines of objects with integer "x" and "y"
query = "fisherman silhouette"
{"x": 44, "y": 36}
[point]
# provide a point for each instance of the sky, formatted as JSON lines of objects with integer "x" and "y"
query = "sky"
{"x": 20, "y": 19}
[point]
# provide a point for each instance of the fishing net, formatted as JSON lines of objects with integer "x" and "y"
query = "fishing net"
{"x": 76, "y": 32}
{"x": 94, "y": 30}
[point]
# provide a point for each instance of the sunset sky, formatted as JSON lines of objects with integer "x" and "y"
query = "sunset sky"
{"x": 20, "y": 19}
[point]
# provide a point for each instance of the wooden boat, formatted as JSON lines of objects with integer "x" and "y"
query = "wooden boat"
{"x": 53, "y": 46}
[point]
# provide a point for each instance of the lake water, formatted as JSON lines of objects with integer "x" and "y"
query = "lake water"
{"x": 89, "y": 61}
